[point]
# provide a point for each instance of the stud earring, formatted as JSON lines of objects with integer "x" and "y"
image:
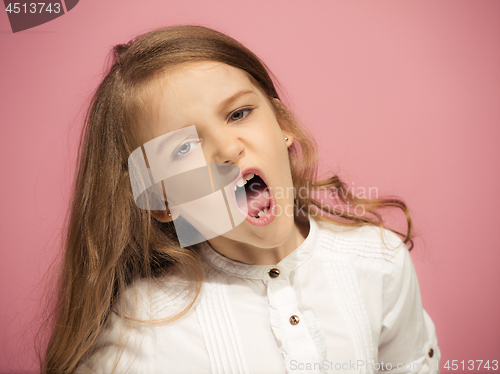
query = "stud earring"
{"x": 286, "y": 139}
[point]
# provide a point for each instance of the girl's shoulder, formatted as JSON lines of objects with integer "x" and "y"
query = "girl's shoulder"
{"x": 359, "y": 243}
{"x": 155, "y": 298}
{"x": 370, "y": 259}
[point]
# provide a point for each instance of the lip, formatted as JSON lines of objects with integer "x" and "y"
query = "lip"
{"x": 271, "y": 213}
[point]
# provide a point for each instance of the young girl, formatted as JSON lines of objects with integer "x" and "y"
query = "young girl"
{"x": 263, "y": 276}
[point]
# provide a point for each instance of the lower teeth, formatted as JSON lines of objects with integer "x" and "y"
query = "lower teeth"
{"x": 261, "y": 213}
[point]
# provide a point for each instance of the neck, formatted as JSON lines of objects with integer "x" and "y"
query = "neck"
{"x": 248, "y": 254}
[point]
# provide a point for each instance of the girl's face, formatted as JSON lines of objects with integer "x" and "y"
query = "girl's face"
{"x": 235, "y": 124}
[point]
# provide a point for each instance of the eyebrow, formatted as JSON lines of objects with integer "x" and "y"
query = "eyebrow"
{"x": 233, "y": 98}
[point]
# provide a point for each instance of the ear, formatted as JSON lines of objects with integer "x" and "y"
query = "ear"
{"x": 163, "y": 215}
{"x": 288, "y": 138}
{"x": 280, "y": 108}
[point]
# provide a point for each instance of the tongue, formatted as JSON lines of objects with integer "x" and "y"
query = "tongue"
{"x": 257, "y": 200}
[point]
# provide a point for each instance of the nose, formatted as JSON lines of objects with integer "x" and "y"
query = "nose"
{"x": 227, "y": 148}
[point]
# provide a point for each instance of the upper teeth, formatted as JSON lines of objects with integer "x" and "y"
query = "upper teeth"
{"x": 242, "y": 182}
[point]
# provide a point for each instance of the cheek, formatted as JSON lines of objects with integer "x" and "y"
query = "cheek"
{"x": 271, "y": 139}
{"x": 273, "y": 154}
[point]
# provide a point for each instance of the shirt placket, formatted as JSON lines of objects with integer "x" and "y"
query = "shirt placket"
{"x": 289, "y": 325}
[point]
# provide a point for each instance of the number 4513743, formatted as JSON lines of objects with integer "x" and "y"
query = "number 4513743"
{"x": 33, "y": 8}
{"x": 471, "y": 365}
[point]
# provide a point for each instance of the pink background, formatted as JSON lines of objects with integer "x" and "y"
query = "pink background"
{"x": 402, "y": 96}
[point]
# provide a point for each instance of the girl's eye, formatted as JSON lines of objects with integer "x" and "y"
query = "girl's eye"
{"x": 184, "y": 149}
{"x": 239, "y": 114}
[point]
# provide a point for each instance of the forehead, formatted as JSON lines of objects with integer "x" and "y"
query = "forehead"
{"x": 205, "y": 74}
{"x": 178, "y": 97}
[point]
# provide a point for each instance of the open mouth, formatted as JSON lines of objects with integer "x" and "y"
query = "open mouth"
{"x": 256, "y": 200}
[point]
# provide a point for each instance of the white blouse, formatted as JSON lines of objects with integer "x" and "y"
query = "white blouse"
{"x": 340, "y": 303}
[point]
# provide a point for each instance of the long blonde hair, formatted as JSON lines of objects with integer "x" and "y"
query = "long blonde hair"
{"x": 109, "y": 241}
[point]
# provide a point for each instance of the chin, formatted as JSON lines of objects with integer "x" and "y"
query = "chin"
{"x": 273, "y": 235}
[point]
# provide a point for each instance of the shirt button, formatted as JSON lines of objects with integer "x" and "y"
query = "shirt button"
{"x": 294, "y": 320}
{"x": 274, "y": 273}
{"x": 431, "y": 352}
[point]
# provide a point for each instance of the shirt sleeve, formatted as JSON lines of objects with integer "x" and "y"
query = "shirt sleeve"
{"x": 408, "y": 341}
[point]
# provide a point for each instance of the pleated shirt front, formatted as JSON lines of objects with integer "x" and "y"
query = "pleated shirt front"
{"x": 340, "y": 303}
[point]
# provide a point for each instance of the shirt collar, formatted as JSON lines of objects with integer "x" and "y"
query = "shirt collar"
{"x": 242, "y": 270}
